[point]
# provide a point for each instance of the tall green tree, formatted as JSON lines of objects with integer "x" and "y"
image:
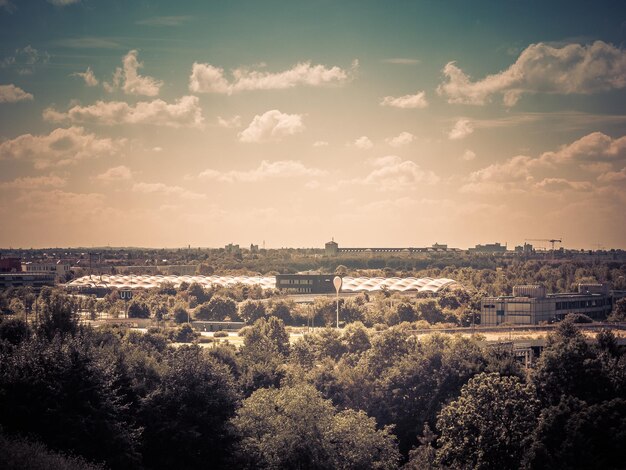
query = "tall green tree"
{"x": 489, "y": 425}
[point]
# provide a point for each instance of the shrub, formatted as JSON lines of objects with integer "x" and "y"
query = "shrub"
{"x": 220, "y": 334}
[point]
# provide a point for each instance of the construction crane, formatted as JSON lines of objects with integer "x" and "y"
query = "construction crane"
{"x": 553, "y": 241}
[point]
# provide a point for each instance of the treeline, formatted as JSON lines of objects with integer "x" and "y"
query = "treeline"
{"x": 349, "y": 399}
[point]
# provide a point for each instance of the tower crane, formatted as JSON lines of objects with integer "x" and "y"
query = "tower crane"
{"x": 553, "y": 241}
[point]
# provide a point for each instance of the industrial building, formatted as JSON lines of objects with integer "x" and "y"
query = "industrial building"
{"x": 530, "y": 305}
{"x": 331, "y": 248}
{"x": 59, "y": 269}
{"x": 34, "y": 281}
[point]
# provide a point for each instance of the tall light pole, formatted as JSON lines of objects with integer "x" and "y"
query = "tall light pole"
{"x": 337, "y": 283}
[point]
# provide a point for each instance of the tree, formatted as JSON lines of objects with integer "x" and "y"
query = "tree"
{"x": 488, "y": 426}
{"x": 218, "y": 308}
{"x": 67, "y": 394}
{"x": 619, "y": 311}
{"x": 59, "y": 313}
{"x": 575, "y": 435}
{"x": 138, "y": 309}
{"x": 569, "y": 366}
{"x": 251, "y": 310}
{"x": 185, "y": 417}
{"x": 294, "y": 427}
{"x": 180, "y": 314}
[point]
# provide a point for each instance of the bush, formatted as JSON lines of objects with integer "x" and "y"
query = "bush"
{"x": 579, "y": 318}
{"x": 181, "y": 315}
{"x": 220, "y": 334}
{"x": 184, "y": 334}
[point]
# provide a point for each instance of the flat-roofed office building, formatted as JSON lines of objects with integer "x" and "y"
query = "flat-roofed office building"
{"x": 530, "y": 305}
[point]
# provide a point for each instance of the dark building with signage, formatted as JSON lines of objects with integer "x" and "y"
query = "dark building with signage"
{"x": 305, "y": 283}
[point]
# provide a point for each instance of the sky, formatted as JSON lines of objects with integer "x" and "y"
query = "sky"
{"x": 288, "y": 123}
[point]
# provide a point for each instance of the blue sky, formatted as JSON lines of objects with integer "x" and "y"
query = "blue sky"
{"x": 397, "y": 123}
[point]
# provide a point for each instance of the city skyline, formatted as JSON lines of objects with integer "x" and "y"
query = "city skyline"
{"x": 395, "y": 124}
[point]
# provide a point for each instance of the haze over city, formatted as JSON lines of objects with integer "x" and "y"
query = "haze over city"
{"x": 377, "y": 123}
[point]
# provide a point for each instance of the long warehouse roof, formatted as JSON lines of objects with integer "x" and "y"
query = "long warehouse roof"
{"x": 350, "y": 284}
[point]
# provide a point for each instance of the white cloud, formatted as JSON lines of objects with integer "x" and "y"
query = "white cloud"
{"x": 523, "y": 172}
{"x": 468, "y": 155}
{"x": 266, "y": 170}
{"x": 272, "y": 125}
{"x": 363, "y": 143}
{"x": 404, "y": 138}
{"x": 541, "y": 68}
{"x": 34, "y": 182}
{"x": 407, "y": 101}
{"x": 401, "y": 61}
{"x": 60, "y": 147}
{"x": 88, "y": 76}
{"x": 562, "y": 184}
{"x": 593, "y": 147}
{"x": 462, "y": 128}
{"x": 128, "y": 79}
{"x": 320, "y": 143}
{"x": 11, "y": 94}
{"x": 206, "y": 78}
{"x": 184, "y": 112}
{"x": 613, "y": 176}
{"x": 118, "y": 173}
{"x": 165, "y": 190}
{"x": 391, "y": 173}
{"x": 229, "y": 123}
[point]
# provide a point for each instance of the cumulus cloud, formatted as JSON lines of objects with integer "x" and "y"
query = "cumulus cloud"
{"x": 462, "y": 128}
{"x": 542, "y": 68}
{"x": 88, "y": 76}
{"x": 7, "y": 6}
{"x": 417, "y": 100}
{"x": 468, "y": 155}
{"x": 391, "y": 173}
{"x": 271, "y": 126}
{"x": 363, "y": 143}
{"x": 207, "y": 78}
{"x": 404, "y": 138}
{"x": 34, "y": 182}
{"x": 165, "y": 190}
{"x": 266, "y": 170}
{"x": 594, "y": 147}
{"x": 524, "y": 172}
{"x": 117, "y": 173}
{"x": 12, "y": 94}
{"x": 184, "y": 112}
{"x": 128, "y": 78}
{"x": 229, "y": 123}
{"x": 60, "y": 147}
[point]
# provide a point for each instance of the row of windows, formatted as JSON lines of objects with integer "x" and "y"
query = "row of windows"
{"x": 296, "y": 281}
{"x": 581, "y": 304}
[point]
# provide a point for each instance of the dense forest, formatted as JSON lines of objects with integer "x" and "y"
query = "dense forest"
{"x": 74, "y": 396}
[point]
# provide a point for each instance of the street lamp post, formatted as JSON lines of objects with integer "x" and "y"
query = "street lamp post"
{"x": 337, "y": 283}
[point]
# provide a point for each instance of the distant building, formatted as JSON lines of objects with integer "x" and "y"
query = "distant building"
{"x": 232, "y": 249}
{"x": 530, "y": 305}
{"x": 254, "y": 248}
{"x": 331, "y": 248}
{"x": 439, "y": 246}
{"x": 35, "y": 281}
{"x": 58, "y": 268}
{"x": 305, "y": 283}
{"x": 10, "y": 265}
{"x": 489, "y": 248}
